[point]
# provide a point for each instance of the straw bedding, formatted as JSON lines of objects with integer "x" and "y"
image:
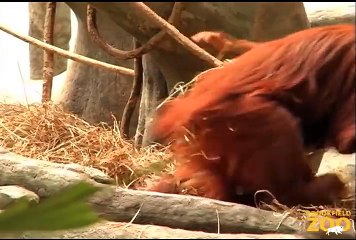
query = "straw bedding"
{"x": 46, "y": 132}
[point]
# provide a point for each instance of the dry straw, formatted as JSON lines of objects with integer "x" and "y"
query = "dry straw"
{"x": 46, "y": 132}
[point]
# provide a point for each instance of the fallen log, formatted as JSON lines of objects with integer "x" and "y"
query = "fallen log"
{"x": 149, "y": 208}
{"x": 38, "y": 175}
{"x": 189, "y": 212}
{"x": 113, "y": 230}
{"x": 121, "y": 205}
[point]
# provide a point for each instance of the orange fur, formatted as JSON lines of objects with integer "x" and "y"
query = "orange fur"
{"x": 244, "y": 126}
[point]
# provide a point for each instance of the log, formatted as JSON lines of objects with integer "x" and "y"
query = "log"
{"x": 113, "y": 230}
{"x": 121, "y": 205}
{"x": 7, "y": 157}
{"x": 43, "y": 177}
{"x": 188, "y": 212}
{"x": 117, "y": 204}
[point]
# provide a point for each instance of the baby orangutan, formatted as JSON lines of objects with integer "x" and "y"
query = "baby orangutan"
{"x": 243, "y": 127}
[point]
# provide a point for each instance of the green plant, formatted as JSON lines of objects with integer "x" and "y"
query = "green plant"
{"x": 64, "y": 210}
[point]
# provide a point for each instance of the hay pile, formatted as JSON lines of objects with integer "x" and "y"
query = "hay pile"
{"x": 44, "y": 131}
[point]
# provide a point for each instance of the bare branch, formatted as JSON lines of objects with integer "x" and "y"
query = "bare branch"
{"x": 48, "y": 56}
{"x": 134, "y": 95}
{"x": 69, "y": 55}
{"x": 180, "y": 38}
{"x": 122, "y": 54}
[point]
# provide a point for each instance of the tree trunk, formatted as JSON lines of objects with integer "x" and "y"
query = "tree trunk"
{"x": 95, "y": 94}
{"x": 62, "y": 34}
{"x": 154, "y": 91}
{"x": 270, "y": 22}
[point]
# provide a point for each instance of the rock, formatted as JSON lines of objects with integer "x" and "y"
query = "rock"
{"x": 321, "y": 15}
{"x": 8, "y": 194}
{"x": 350, "y": 170}
{"x": 333, "y": 160}
{"x": 342, "y": 164}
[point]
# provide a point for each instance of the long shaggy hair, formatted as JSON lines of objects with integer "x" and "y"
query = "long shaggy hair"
{"x": 243, "y": 127}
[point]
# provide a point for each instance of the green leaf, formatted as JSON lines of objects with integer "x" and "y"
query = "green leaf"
{"x": 64, "y": 210}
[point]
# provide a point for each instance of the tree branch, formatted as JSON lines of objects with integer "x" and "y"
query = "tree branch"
{"x": 122, "y": 54}
{"x": 67, "y": 54}
{"x": 174, "y": 33}
{"x": 134, "y": 95}
{"x": 48, "y": 56}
